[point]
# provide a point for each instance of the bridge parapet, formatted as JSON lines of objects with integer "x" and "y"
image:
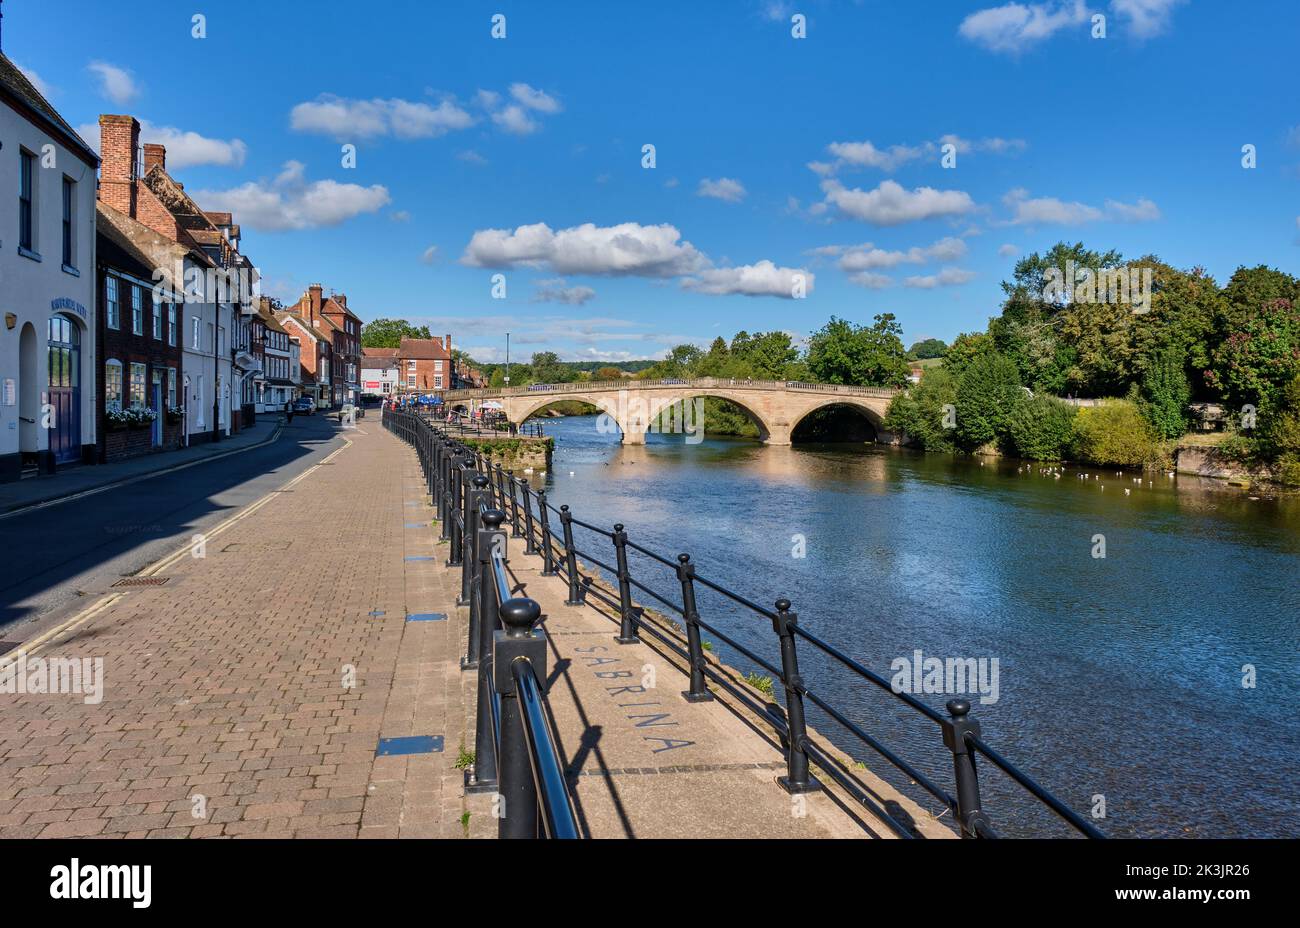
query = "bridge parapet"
{"x": 728, "y": 383}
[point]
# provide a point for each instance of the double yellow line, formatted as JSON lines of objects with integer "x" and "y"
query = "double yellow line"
{"x": 81, "y": 618}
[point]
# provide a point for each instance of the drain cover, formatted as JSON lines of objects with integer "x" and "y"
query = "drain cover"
{"x": 142, "y": 581}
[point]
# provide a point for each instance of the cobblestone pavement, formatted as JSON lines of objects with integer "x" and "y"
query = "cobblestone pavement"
{"x": 225, "y": 708}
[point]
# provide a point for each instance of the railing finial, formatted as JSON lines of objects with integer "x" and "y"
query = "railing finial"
{"x": 519, "y": 615}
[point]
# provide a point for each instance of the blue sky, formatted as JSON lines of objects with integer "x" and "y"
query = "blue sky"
{"x": 775, "y": 156}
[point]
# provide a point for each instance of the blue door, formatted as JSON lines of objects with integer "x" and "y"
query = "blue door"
{"x": 65, "y": 390}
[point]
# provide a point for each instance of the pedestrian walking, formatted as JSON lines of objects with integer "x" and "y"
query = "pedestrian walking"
{"x": 288, "y": 411}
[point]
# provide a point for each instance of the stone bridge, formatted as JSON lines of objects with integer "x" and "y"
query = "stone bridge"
{"x": 776, "y": 406}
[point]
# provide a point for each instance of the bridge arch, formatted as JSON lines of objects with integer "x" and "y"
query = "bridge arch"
{"x": 873, "y": 416}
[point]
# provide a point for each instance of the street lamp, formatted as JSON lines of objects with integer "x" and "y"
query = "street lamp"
{"x": 507, "y": 359}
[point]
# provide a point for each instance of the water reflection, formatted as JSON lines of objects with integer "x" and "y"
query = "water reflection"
{"x": 1120, "y": 676}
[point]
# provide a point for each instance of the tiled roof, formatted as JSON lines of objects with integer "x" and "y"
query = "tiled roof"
{"x": 423, "y": 349}
{"x": 379, "y": 353}
{"x": 17, "y": 89}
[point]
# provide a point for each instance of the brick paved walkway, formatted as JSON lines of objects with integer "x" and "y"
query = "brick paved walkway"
{"x": 225, "y": 686}
{"x": 247, "y": 696}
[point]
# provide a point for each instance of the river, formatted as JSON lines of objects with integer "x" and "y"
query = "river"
{"x": 1118, "y": 677}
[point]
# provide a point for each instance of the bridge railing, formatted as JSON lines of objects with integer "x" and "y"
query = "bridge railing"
{"x": 606, "y": 577}
{"x": 728, "y": 383}
{"x": 516, "y": 750}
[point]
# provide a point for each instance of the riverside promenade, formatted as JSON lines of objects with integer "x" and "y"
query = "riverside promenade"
{"x": 301, "y": 679}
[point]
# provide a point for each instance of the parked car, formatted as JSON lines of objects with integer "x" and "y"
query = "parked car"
{"x": 304, "y": 406}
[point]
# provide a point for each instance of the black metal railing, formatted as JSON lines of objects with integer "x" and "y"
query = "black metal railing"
{"x": 516, "y": 751}
{"x": 529, "y": 515}
{"x": 460, "y": 425}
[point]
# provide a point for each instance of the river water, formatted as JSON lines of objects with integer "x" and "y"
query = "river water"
{"x": 1118, "y": 677}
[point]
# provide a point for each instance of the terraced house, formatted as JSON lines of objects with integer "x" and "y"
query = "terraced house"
{"x": 328, "y": 319}
{"x": 47, "y": 284}
{"x": 213, "y": 284}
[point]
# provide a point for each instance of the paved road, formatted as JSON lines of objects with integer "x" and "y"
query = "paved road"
{"x": 53, "y": 556}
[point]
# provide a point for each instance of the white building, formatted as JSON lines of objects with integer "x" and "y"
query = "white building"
{"x": 47, "y": 284}
{"x": 379, "y": 372}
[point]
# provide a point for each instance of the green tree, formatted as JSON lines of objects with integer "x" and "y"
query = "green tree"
{"x": 1165, "y": 394}
{"x": 763, "y": 356}
{"x": 388, "y": 333}
{"x": 965, "y": 349}
{"x": 607, "y": 373}
{"x": 546, "y": 367}
{"x": 843, "y": 353}
{"x": 929, "y": 348}
{"x": 920, "y": 414}
{"x": 987, "y": 394}
{"x": 1042, "y": 428}
{"x": 1255, "y": 362}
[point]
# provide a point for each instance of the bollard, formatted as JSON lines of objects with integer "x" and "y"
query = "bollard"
{"x": 518, "y": 791}
{"x": 548, "y": 548}
{"x": 570, "y": 557}
{"x": 699, "y": 692}
{"x": 955, "y": 730}
{"x": 797, "y": 779}
{"x": 530, "y": 545}
{"x": 490, "y": 539}
{"x": 627, "y": 626}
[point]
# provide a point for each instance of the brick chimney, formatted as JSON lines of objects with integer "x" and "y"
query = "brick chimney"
{"x": 119, "y": 137}
{"x": 313, "y": 301}
{"x": 154, "y": 154}
{"x": 447, "y": 344}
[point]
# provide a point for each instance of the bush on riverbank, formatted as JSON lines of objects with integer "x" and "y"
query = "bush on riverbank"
{"x": 987, "y": 393}
{"x": 1116, "y": 433}
{"x": 1042, "y": 428}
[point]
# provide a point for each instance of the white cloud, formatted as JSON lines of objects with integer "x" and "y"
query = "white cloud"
{"x": 535, "y": 99}
{"x": 857, "y": 155}
{"x": 724, "y": 188}
{"x": 488, "y": 99}
{"x": 115, "y": 84}
{"x": 1141, "y": 211}
{"x": 291, "y": 202}
{"x": 871, "y": 281}
{"x": 42, "y": 88}
{"x": 1014, "y": 27}
{"x": 1052, "y": 211}
{"x": 345, "y": 119}
{"x": 400, "y": 215}
{"x": 628, "y": 249}
{"x": 1146, "y": 18}
{"x": 864, "y": 154}
{"x": 184, "y": 148}
{"x": 867, "y": 257}
{"x": 761, "y": 279}
{"x": 556, "y": 291}
{"x": 890, "y": 204}
{"x": 1007, "y": 251}
{"x": 471, "y": 157}
{"x": 515, "y": 120}
{"x": 947, "y": 277}
{"x": 430, "y": 255}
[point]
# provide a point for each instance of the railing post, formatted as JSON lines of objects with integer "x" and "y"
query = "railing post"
{"x": 490, "y": 540}
{"x": 469, "y": 538}
{"x": 548, "y": 548}
{"x": 627, "y": 626}
{"x": 699, "y": 691}
{"x": 570, "y": 558}
{"x": 500, "y": 486}
{"x": 530, "y": 545}
{"x": 456, "y": 490}
{"x": 515, "y": 528}
{"x": 797, "y": 779}
{"x": 955, "y": 730}
{"x": 519, "y": 812}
